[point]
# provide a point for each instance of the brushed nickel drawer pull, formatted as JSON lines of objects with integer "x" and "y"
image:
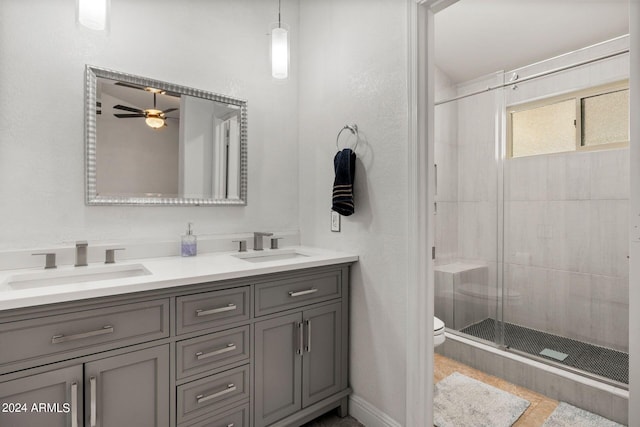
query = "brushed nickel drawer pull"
{"x": 308, "y": 348}
{"x": 300, "y": 339}
{"x": 57, "y": 339}
{"x": 229, "y": 347}
{"x": 201, "y": 398}
{"x": 74, "y": 404}
{"x": 93, "y": 416}
{"x": 229, "y": 307}
{"x": 300, "y": 293}
{"x": 230, "y": 425}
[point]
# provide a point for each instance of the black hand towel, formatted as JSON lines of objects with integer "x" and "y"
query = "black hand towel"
{"x": 344, "y": 164}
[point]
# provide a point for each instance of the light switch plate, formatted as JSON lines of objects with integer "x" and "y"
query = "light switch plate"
{"x": 335, "y": 221}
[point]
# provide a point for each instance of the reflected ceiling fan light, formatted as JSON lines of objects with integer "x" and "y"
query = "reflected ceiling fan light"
{"x": 93, "y": 14}
{"x": 279, "y": 50}
{"x": 154, "y": 122}
{"x": 154, "y": 90}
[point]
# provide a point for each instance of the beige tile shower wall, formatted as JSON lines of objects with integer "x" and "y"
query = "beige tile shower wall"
{"x": 566, "y": 244}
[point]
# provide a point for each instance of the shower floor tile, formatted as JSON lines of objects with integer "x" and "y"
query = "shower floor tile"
{"x": 600, "y": 361}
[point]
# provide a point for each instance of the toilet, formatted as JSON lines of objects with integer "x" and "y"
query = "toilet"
{"x": 438, "y": 331}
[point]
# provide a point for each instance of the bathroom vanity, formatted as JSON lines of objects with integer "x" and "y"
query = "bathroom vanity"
{"x": 213, "y": 340}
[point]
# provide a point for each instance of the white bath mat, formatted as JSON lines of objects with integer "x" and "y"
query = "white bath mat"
{"x": 566, "y": 415}
{"x": 461, "y": 401}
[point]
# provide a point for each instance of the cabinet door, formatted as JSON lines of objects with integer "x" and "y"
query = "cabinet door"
{"x": 321, "y": 363}
{"x": 50, "y": 399}
{"x": 278, "y": 368}
{"x": 128, "y": 390}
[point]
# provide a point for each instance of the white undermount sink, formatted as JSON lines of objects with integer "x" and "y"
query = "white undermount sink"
{"x": 76, "y": 275}
{"x": 270, "y": 255}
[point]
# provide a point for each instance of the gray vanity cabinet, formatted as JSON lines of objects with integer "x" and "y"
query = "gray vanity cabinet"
{"x": 298, "y": 361}
{"x": 20, "y": 399}
{"x": 268, "y": 350}
{"x": 131, "y": 389}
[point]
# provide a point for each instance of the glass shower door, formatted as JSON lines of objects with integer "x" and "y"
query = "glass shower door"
{"x": 468, "y": 270}
{"x": 566, "y": 217}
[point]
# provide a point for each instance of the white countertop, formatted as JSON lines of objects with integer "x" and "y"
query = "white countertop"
{"x": 165, "y": 273}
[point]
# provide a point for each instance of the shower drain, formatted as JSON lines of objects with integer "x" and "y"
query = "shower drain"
{"x": 601, "y": 361}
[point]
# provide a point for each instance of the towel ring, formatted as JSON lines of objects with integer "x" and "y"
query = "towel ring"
{"x": 354, "y": 130}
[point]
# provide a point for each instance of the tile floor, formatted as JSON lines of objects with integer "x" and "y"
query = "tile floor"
{"x": 332, "y": 420}
{"x": 535, "y": 415}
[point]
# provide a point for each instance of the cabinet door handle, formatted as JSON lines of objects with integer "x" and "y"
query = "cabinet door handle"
{"x": 93, "y": 383}
{"x": 300, "y": 339}
{"x": 57, "y": 339}
{"x": 201, "y": 398}
{"x": 308, "y": 348}
{"x": 229, "y": 307}
{"x": 300, "y": 293}
{"x": 74, "y": 404}
{"x": 230, "y": 347}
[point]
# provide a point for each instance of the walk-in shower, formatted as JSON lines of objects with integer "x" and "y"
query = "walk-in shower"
{"x": 531, "y": 219}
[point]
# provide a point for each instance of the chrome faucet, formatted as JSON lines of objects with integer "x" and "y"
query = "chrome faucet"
{"x": 257, "y": 240}
{"x": 81, "y": 253}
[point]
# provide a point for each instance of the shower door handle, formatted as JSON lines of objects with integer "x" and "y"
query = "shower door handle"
{"x": 435, "y": 178}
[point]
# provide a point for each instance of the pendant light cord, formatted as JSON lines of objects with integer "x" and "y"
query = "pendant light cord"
{"x": 279, "y": 25}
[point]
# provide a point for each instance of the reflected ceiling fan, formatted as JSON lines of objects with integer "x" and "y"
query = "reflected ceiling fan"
{"x": 153, "y": 117}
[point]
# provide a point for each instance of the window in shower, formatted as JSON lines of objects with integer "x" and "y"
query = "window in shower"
{"x": 590, "y": 119}
{"x": 605, "y": 119}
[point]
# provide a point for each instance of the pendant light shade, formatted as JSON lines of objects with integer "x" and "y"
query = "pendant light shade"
{"x": 93, "y": 14}
{"x": 279, "y": 49}
{"x": 279, "y": 53}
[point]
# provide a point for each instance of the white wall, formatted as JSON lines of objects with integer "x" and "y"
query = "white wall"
{"x": 354, "y": 70}
{"x": 219, "y": 46}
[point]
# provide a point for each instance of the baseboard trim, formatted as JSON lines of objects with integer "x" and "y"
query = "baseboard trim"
{"x": 368, "y": 414}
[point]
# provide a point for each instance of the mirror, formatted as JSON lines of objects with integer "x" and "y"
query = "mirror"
{"x": 150, "y": 142}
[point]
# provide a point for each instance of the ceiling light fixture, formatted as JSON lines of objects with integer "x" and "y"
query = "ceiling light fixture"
{"x": 93, "y": 14}
{"x": 279, "y": 50}
{"x": 153, "y": 120}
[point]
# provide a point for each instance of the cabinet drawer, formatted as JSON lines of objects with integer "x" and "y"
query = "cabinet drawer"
{"x": 237, "y": 417}
{"x": 212, "y": 309}
{"x": 200, "y": 354}
{"x": 122, "y": 325}
{"x": 213, "y": 393}
{"x": 280, "y": 295}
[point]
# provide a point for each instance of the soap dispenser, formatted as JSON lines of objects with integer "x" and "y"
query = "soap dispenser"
{"x": 189, "y": 243}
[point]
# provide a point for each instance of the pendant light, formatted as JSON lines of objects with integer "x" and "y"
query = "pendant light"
{"x": 93, "y": 14}
{"x": 279, "y": 50}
